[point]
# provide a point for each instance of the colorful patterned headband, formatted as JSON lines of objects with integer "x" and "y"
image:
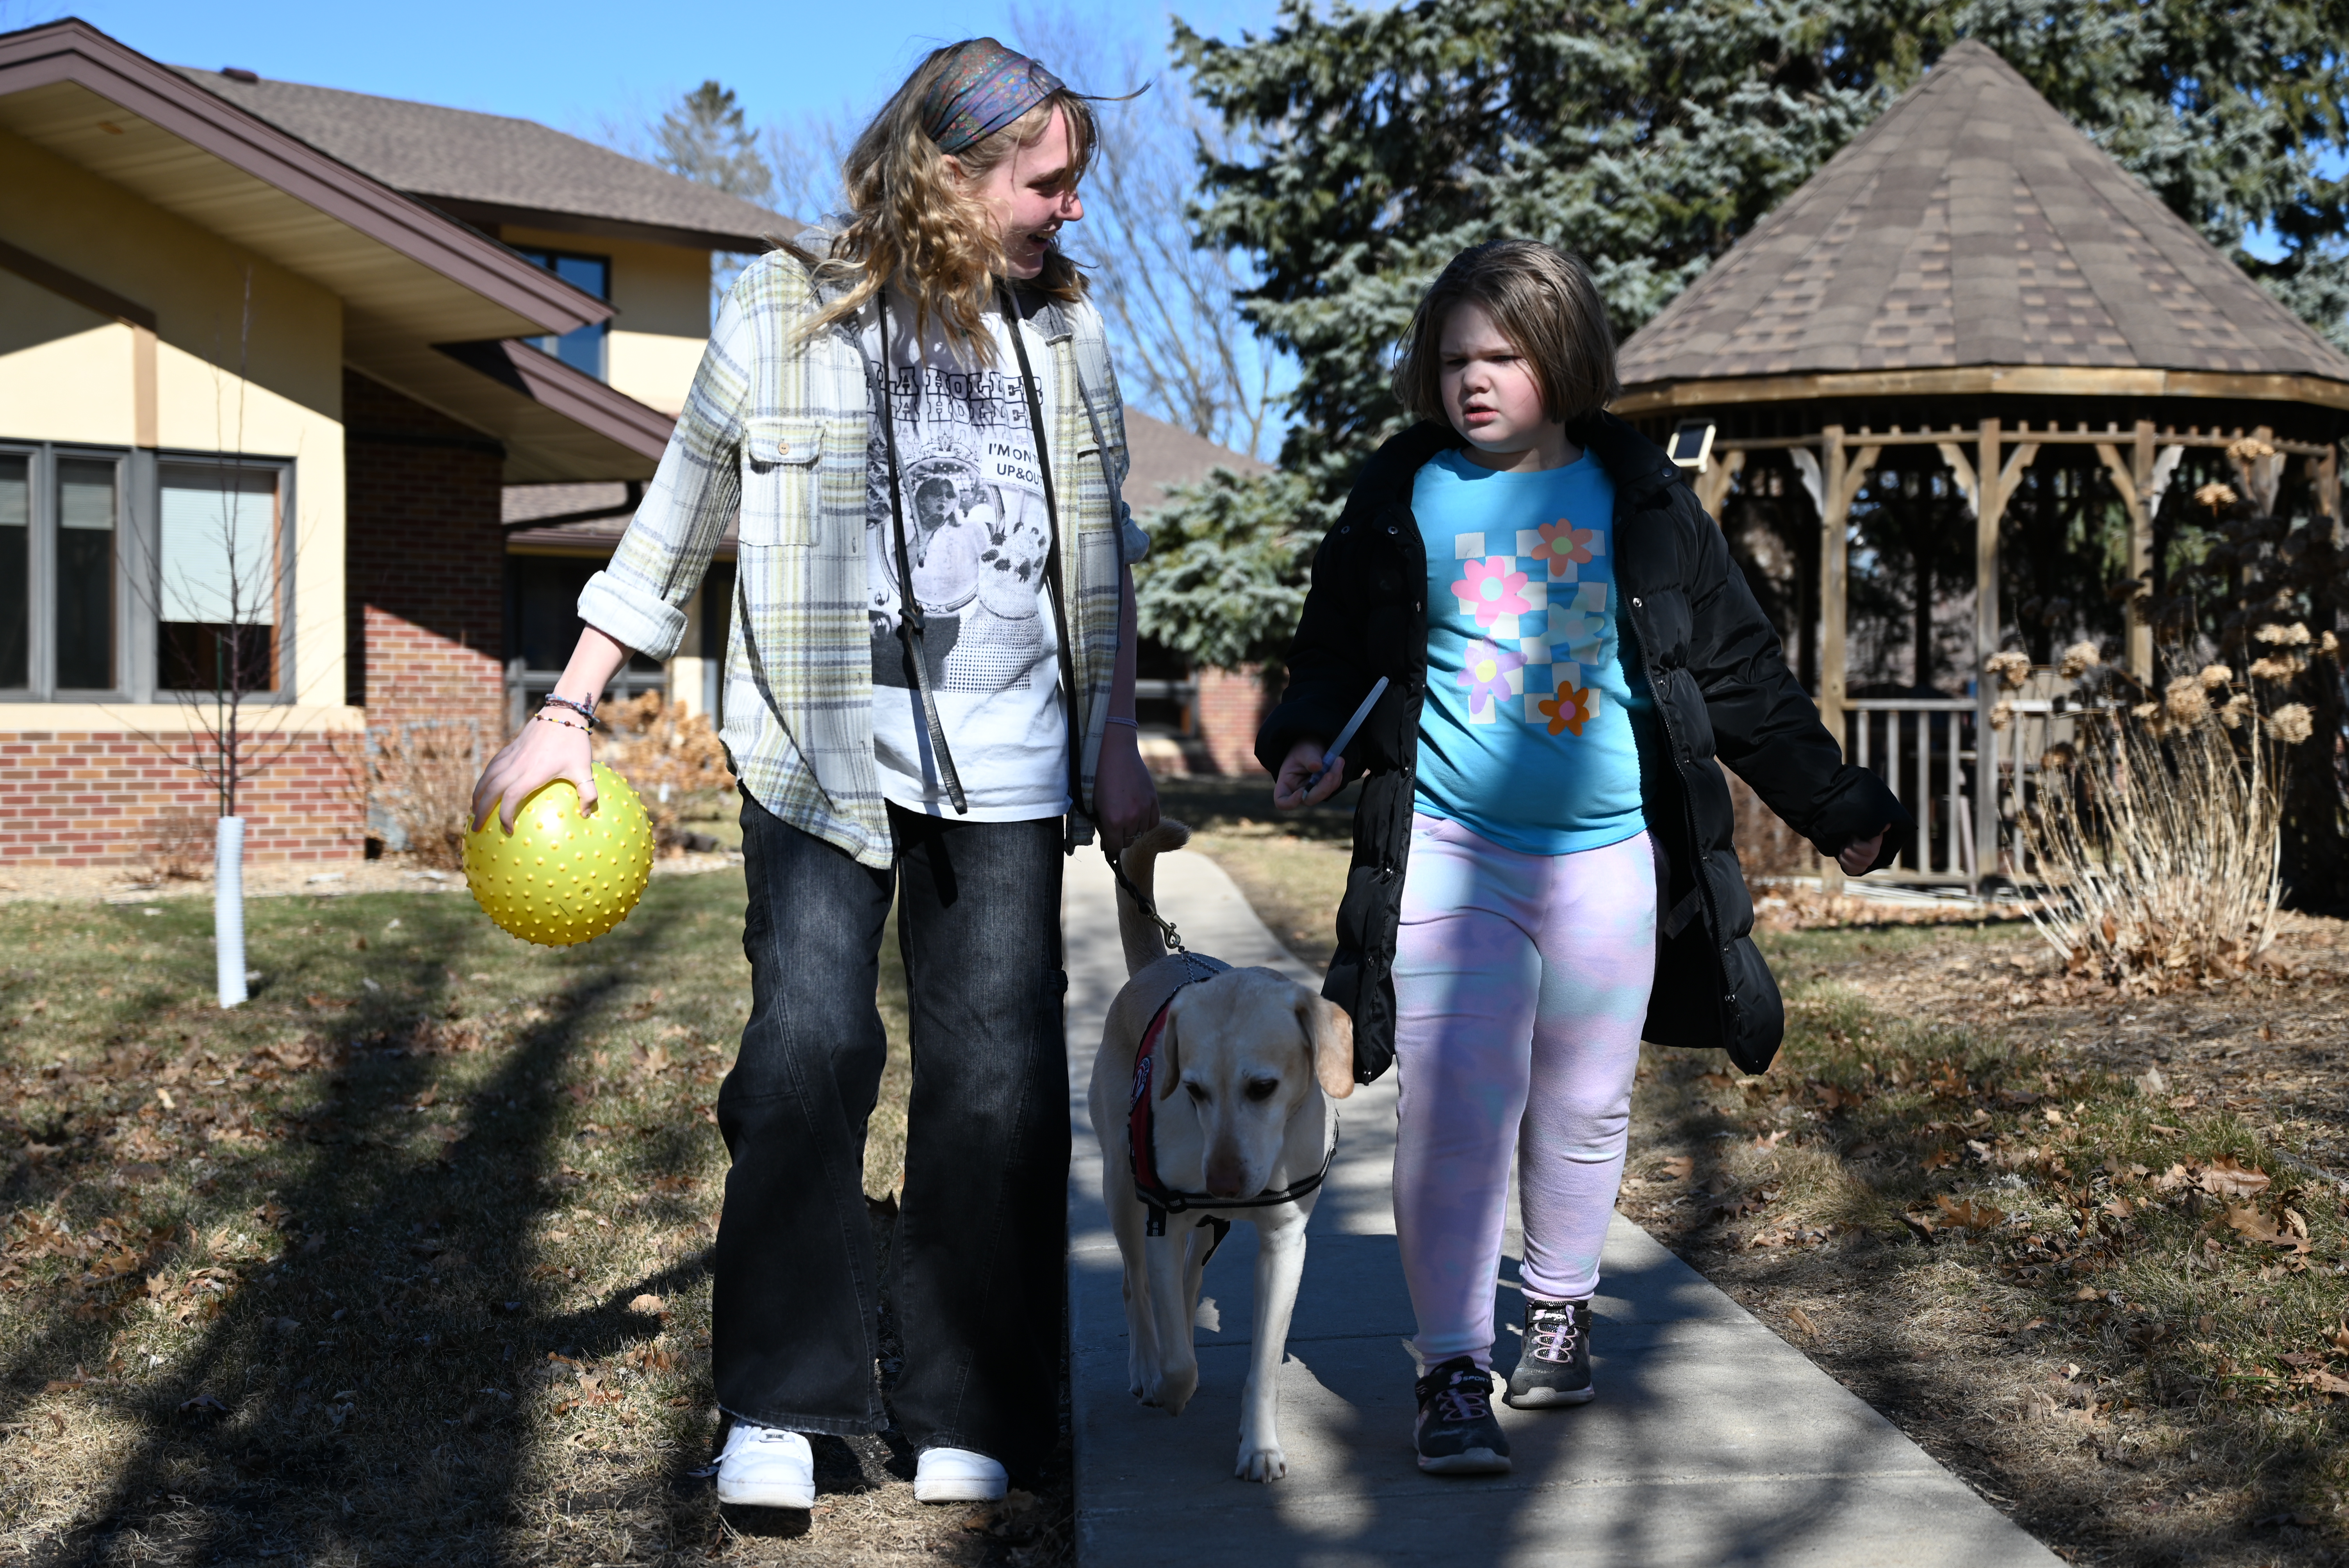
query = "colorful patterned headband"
{"x": 984, "y": 87}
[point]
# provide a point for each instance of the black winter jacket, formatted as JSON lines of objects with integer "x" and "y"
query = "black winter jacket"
{"x": 1722, "y": 690}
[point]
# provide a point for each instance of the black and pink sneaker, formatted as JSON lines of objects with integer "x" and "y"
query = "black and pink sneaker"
{"x": 1554, "y": 1368}
{"x": 1456, "y": 1433}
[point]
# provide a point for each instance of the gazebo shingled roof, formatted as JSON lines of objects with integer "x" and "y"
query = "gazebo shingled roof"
{"x": 1972, "y": 281}
{"x": 1973, "y": 224}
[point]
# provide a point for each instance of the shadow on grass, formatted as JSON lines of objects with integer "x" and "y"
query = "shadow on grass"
{"x": 372, "y": 1392}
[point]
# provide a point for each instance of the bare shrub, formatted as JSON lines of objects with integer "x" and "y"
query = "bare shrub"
{"x": 2158, "y": 834}
{"x": 179, "y": 846}
{"x": 420, "y": 774}
{"x": 673, "y": 759}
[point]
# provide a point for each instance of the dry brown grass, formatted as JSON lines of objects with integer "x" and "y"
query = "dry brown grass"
{"x": 404, "y": 1261}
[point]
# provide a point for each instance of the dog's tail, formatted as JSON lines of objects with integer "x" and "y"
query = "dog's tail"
{"x": 1145, "y": 943}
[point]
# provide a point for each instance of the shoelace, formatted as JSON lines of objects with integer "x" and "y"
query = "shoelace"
{"x": 770, "y": 1434}
{"x": 1552, "y": 1338}
{"x": 1463, "y": 1401}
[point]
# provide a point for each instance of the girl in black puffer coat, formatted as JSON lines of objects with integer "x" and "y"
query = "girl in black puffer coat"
{"x": 1542, "y": 873}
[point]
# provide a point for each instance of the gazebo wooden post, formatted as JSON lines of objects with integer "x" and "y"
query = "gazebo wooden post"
{"x": 2140, "y": 626}
{"x": 2134, "y": 481}
{"x": 1990, "y": 509}
{"x": 1833, "y": 586}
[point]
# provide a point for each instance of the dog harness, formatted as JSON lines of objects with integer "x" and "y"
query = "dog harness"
{"x": 1141, "y": 1144}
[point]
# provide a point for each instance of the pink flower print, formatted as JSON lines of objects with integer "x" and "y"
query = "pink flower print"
{"x": 1570, "y": 709}
{"x": 1492, "y": 587}
{"x": 1561, "y": 543}
{"x": 1486, "y": 675}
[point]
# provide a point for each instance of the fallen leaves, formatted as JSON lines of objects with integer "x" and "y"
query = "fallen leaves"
{"x": 2289, "y": 1231}
{"x": 2226, "y": 1178}
{"x": 1970, "y": 1214}
{"x": 198, "y": 1296}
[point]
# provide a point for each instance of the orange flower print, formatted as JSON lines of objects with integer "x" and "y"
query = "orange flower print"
{"x": 1570, "y": 709}
{"x": 1561, "y": 543}
{"x": 1491, "y": 588}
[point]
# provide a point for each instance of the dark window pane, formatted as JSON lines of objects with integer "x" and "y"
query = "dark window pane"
{"x": 218, "y": 593}
{"x": 16, "y": 572}
{"x": 84, "y": 575}
{"x": 546, "y": 610}
{"x": 582, "y": 349}
{"x": 589, "y": 274}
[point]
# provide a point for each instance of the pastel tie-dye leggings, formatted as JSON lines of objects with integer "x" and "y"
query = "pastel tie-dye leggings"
{"x": 1521, "y": 981}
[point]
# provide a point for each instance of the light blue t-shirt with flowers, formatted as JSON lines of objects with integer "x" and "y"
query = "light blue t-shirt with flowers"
{"x": 1526, "y": 734}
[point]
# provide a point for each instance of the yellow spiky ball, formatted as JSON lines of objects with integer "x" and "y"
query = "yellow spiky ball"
{"x": 560, "y": 877}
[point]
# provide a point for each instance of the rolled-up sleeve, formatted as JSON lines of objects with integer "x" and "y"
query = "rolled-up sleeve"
{"x": 639, "y": 598}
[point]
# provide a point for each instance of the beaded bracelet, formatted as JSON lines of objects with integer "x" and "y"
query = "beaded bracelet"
{"x": 558, "y": 723}
{"x": 586, "y": 710}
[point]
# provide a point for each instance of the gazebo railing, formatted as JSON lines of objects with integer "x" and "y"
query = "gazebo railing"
{"x": 2035, "y": 727}
{"x": 1924, "y": 748}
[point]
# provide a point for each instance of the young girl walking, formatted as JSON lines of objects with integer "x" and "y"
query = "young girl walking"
{"x": 1543, "y": 874}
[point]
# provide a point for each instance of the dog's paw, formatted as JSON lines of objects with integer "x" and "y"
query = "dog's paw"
{"x": 1261, "y": 1461}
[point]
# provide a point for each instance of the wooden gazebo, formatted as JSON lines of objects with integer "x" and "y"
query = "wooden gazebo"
{"x": 1967, "y": 285}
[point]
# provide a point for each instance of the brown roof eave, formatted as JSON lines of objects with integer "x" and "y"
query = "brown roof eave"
{"x": 72, "y": 51}
{"x": 570, "y": 393}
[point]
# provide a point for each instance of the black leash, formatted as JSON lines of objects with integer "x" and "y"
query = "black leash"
{"x": 1166, "y": 926}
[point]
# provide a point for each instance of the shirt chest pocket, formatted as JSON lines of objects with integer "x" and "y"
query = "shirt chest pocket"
{"x": 783, "y": 464}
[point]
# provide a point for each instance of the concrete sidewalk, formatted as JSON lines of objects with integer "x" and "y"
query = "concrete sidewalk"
{"x": 1711, "y": 1441}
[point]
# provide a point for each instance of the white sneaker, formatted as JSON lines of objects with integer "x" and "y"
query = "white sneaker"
{"x": 958, "y": 1475}
{"x": 766, "y": 1467}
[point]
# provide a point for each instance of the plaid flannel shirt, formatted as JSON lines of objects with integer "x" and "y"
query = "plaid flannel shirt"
{"x": 776, "y": 424}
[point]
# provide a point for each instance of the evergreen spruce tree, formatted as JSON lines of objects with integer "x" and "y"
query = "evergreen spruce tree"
{"x": 705, "y": 138}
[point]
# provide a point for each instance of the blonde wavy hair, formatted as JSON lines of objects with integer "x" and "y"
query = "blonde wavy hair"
{"x": 917, "y": 222}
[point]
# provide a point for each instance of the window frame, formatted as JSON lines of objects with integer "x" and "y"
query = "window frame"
{"x": 137, "y": 570}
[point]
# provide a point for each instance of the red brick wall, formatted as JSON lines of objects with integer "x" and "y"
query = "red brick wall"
{"x": 115, "y": 799}
{"x": 426, "y": 562}
{"x": 1232, "y": 705}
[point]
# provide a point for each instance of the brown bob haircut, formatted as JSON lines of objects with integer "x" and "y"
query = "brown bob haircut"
{"x": 1543, "y": 300}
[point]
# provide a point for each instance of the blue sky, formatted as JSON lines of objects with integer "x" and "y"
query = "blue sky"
{"x": 567, "y": 64}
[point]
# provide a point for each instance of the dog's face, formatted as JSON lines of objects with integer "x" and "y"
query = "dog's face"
{"x": 1244, "y": 1050}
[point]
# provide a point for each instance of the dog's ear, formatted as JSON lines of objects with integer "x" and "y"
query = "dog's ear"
{"x": 1169, "y": 1070}
{"x": 1329, "y": 1037}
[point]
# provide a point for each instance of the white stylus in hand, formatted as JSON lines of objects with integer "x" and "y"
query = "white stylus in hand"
{"x": 1338, "y": 747}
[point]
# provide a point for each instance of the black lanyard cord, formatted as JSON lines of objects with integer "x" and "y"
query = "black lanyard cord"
{"x": 1053, "y": 576}
{"x": 909, "y": 609}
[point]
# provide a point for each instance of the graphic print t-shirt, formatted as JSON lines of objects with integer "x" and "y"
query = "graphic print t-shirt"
{"x": 977, "y": 536}
{"x": 1525, "y": 736}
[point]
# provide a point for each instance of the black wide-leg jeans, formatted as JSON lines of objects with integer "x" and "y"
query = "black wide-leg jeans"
{"x": 981, "y": 1235}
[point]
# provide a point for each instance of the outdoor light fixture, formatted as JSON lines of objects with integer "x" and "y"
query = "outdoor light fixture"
{"x": 1691, "y": 446}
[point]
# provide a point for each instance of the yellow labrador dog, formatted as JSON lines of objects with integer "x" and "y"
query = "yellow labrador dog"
{"x": 1213, "y": 1099}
